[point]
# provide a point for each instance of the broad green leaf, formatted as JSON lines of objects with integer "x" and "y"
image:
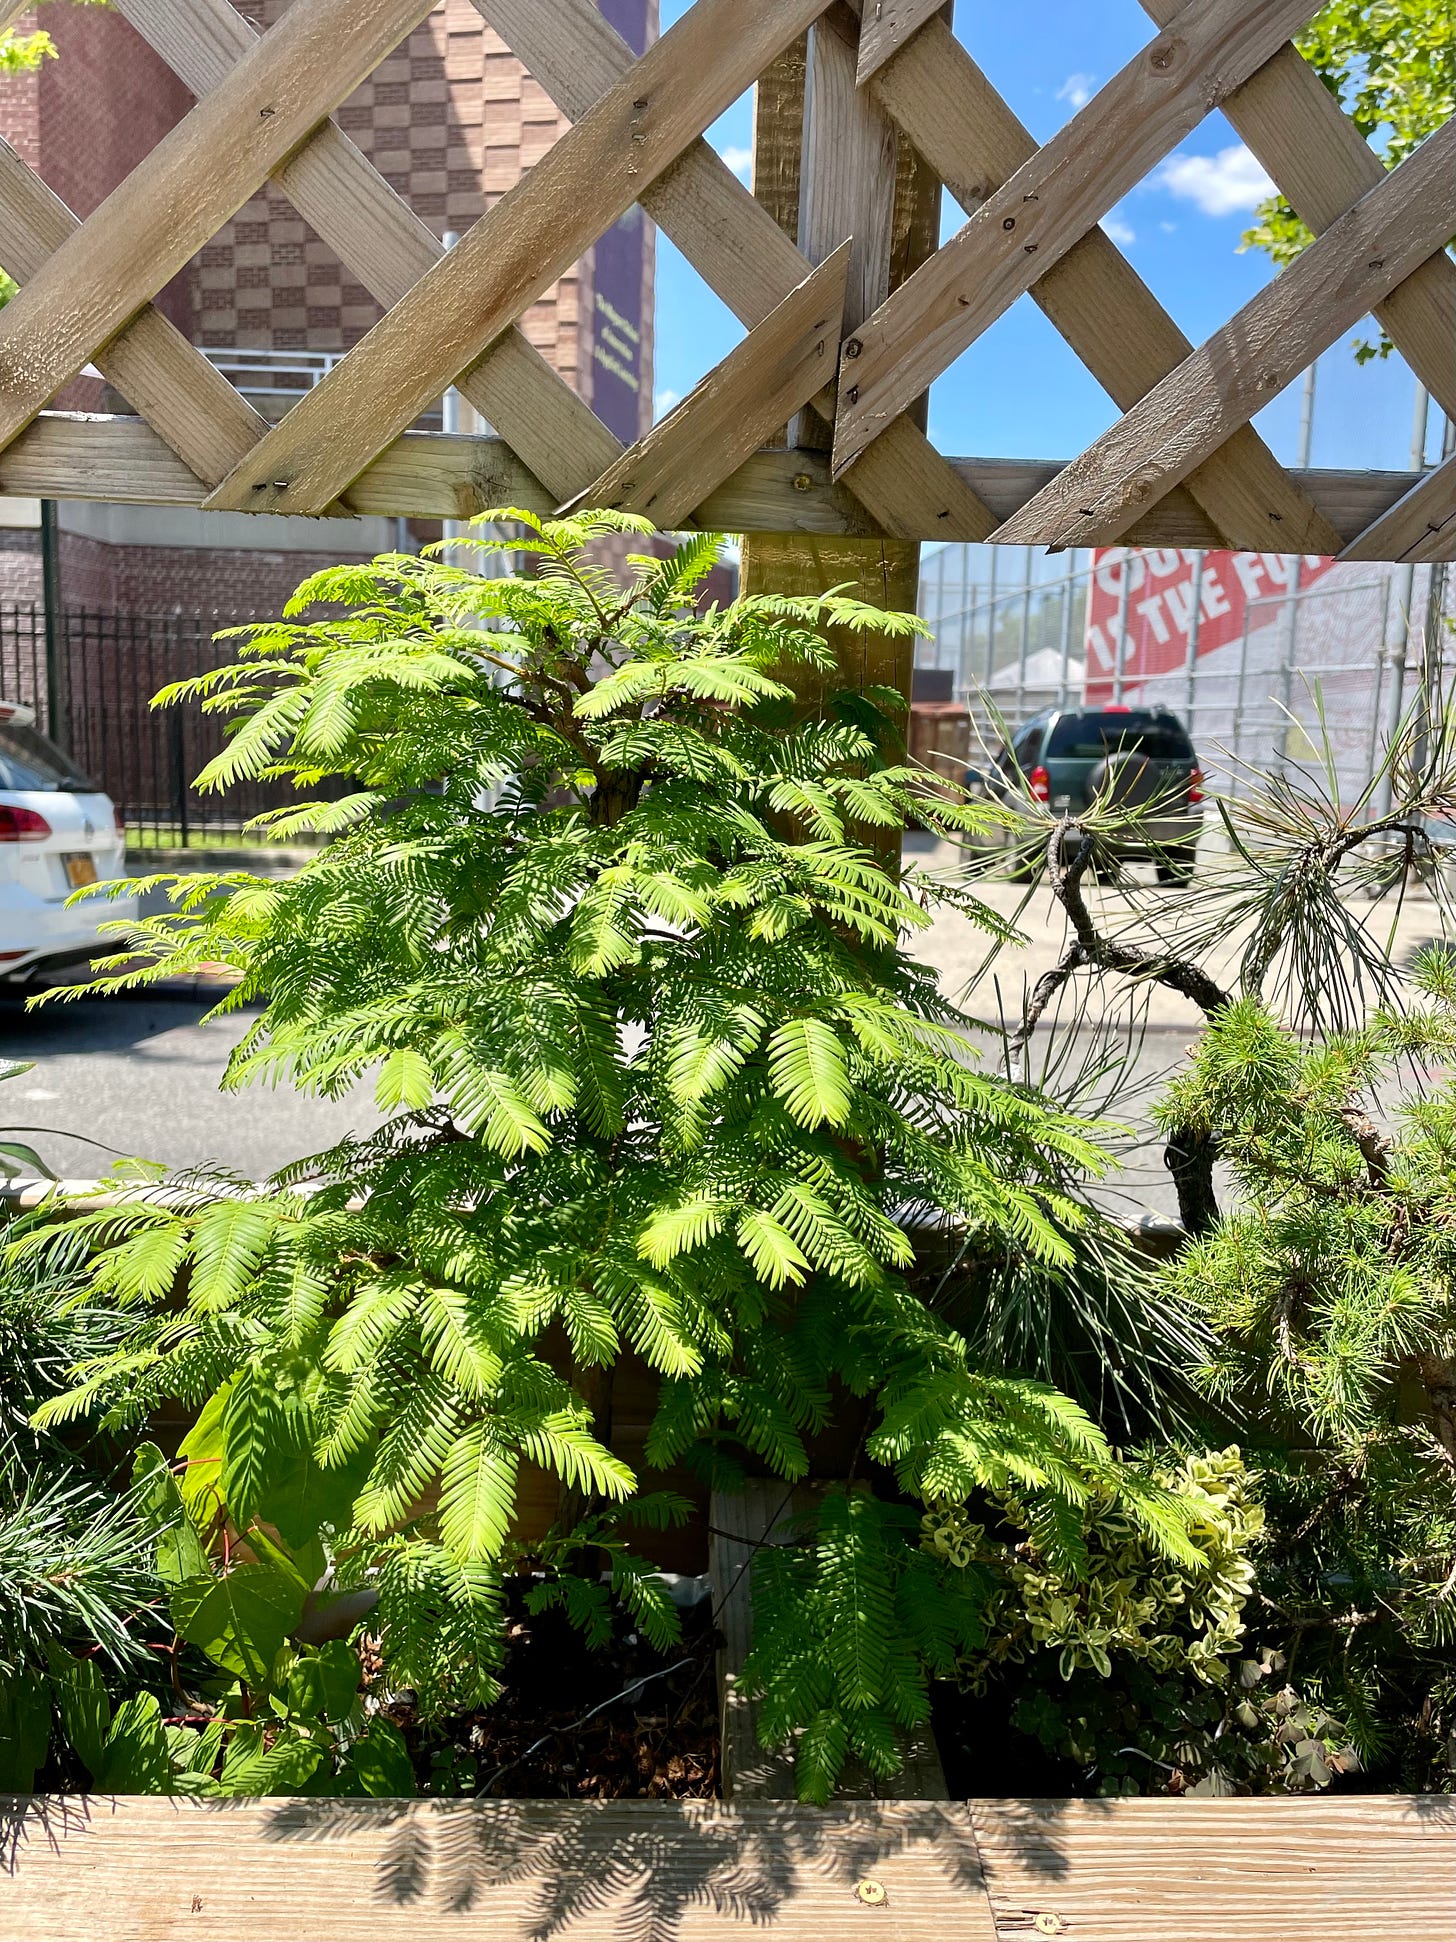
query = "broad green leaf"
{"x": 181, "y": 1553}
{"x": 239, "y": 1618}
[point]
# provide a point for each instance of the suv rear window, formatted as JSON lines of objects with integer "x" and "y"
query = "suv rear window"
{"x": 1094, "y": 736}
{"x": 29, "y": 761}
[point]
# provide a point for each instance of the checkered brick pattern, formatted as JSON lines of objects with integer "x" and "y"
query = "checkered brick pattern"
{"x": 451, "y": 120}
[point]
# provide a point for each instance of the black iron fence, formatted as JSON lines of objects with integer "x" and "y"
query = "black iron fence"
{"x": 91, "y": 680}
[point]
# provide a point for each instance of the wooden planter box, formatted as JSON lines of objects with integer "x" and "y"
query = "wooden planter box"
{"x": 148, "y": 1870}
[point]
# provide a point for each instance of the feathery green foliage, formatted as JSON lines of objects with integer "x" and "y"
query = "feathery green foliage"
{"x": 600, "y": 919}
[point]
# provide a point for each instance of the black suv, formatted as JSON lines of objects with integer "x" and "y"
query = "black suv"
{"x": 1135, "y": 759}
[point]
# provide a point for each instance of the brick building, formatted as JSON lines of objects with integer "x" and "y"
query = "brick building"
{"x": 451, "y": 120}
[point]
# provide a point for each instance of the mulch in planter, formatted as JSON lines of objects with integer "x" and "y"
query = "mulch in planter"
{"x": 624, "y": 1722}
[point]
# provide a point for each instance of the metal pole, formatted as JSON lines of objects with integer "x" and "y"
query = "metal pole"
{"x": 1119, "y": 649}
{"x": 58, "y": 710}
{"x": 1294, "y": 567}
{"x": 991, "y": 620}
{"x": 1433, "y": 638}
{"x": 1067, "y": 585}
{"x": 1195, "y": 619}
{"x": 1404, "y": 596}
{"x": 1025, "y": 641}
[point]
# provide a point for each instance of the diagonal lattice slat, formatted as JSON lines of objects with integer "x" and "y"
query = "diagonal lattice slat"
{"x": 739, "y": 250}
{"x": 1323, "y": 165}
{"x": 1183, "y": 466}
{"x": 889, "y": 25}
{"x": 777, "y": 369}
{"x": 1093, "y": 296}
{"x": 1051, "y": 202}
{"x": 151, "y": 363}
{"x": 180, "y": 196}
{"x": 1419, "y": 527}
{"x": 1244, "y": 366}
{"x": 579, "y": 188}
{"x": 375, "y": 234}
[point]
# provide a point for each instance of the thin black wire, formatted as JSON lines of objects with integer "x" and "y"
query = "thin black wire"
{"x": 572, "y": 1725}
{"x": 754, "y": 1545}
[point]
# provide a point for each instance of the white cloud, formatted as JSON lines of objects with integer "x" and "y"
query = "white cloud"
{"x": 740, "y": 160}
{"x": 1123, "y": 234}
{"x": 1077, "y": 90}
{"x": 664, "y": 400}
{"x": 1217, "y": 184}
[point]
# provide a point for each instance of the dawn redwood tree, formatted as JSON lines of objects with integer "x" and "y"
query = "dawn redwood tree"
{"x": 601, "y": 920}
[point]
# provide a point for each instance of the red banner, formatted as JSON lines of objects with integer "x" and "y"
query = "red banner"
{"x": 1146, "y": 628}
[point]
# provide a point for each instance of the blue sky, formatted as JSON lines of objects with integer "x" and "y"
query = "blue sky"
{"x": 1020, "y": 392}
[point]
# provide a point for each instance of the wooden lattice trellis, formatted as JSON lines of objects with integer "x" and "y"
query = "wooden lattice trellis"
{"x": 829, "y": 342}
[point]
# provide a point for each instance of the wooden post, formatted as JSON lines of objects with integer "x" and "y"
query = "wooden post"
{"x": 828, "y": 165}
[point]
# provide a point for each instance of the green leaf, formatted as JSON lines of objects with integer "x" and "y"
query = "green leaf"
{"x": 25, "y": 1731}
{"x": 381, "y": 1763}
{"x": 405, "y": 1079}
{"x": 181, "y": 1553}
{"x": 808, "y": 1072}
{"x": 229, "y": 1241}
{"x": 477, "y": 1495}
{"x": 84, "y": 1706}
{"x": 239, "y": 1618}
{"x": 776, "y": 1256}
{"x": 136, "y": 1758}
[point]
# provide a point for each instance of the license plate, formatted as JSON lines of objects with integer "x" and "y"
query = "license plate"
{"x": 80, "y": 869}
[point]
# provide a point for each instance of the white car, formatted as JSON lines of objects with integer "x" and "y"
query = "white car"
{"x": 58, "y": 831}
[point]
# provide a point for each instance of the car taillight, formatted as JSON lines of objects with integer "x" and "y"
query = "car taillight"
{"x": 22, "y": 825}
{"x": 1040, "y": 784}
{"x": 1195, "y": 786}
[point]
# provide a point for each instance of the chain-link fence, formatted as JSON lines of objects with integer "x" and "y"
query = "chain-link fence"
{"x": 1267, "y": 660}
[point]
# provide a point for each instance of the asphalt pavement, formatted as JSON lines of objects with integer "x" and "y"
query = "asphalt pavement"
{"x": 140, "y": 1073}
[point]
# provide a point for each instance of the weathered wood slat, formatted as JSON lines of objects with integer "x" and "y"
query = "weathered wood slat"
{"x": 424, "y": 475}
{"x": 1051, "y": 202}
{"x": 1381, "y": 1869}
{"x": 375, "y": 234}
{"x": 1276, "y": 335}
{"x": 151, "y": 363}
{"x": 1419, "y": 527}
{"x": 888, "y": 26}
{"x": 460, "y": 1871}
{"x": 737, "y": 247}
{"x": 579, "y": 188}
{"x": 178, "y": 198}
{"x": 735, "y": 244}
{"x": 720, "y": 424}
{"x": 740, "y": 1523}
{"x": 1323, "y": 164}
{"x": 1093, "y": 296}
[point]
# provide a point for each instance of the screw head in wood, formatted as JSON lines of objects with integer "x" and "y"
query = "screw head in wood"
{"x": 1048, "y": 1923}
{"x": 871, "y": 1893}
{"x": 803, "y": 482}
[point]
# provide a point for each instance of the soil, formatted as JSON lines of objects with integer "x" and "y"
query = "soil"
{"x": 622, "y": 1722}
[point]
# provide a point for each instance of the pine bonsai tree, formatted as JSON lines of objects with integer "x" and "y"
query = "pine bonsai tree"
{"x": 602, "y": 922}
{"x": 1319, "y": 1255}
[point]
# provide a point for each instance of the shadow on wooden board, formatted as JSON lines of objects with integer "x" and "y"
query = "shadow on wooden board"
{"x": 1365, "y": 1870}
